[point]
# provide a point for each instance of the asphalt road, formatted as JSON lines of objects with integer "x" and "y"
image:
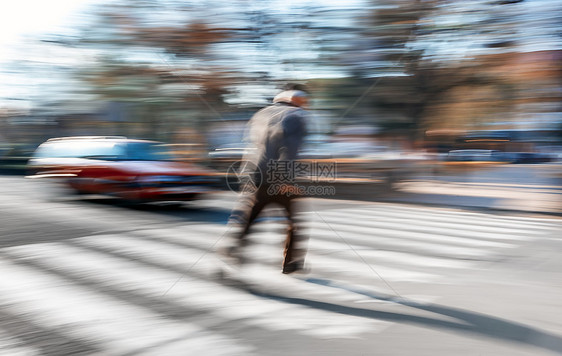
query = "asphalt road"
{"x": 94, "y": 277}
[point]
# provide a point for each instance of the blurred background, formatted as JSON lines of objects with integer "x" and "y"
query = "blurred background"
{"x": 438, "y": 124}
{"x": 444, "y": 83}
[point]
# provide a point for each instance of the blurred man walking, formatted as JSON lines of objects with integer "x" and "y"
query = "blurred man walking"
{"x": 276, "y": 134}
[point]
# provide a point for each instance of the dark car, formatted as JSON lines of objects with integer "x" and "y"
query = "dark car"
{"x": 528, "y": 157}
{"x": 474, "y": 155}
{"x": 136, "y": 170}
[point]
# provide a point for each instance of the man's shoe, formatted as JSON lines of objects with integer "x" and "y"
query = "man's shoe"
{"x": 294, "y": 267}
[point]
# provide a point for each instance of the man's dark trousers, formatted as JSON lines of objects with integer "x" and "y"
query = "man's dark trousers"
{"x": 252, "y": 203}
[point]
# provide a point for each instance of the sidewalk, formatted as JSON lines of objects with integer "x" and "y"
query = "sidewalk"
{"x": 515, "y": 188}
{"x": 508, "y": 197}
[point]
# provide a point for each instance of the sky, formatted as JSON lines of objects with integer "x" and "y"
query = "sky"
{"x": 32, "y": 17}
{"x": 22, "y": 20}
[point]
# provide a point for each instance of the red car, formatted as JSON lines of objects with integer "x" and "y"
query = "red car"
{"x": 135, "y": 170}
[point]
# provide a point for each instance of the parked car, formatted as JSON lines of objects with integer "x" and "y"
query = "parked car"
{"x": 474, "y": 155}
{"x": 135, "y": 170}
{"x": 528, "y": 157}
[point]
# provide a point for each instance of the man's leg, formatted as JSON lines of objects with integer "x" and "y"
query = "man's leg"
{"x": 295, "y": 243}
{"x": 248, "y": 210}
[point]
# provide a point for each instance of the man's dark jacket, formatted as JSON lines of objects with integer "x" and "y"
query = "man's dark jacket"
{"x": 275, "y": 134}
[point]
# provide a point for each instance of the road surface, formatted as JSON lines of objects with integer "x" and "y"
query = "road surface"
{"x": 91, "y": 277}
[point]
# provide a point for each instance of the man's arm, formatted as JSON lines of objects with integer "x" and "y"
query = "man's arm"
{"x": 294, "y": 131}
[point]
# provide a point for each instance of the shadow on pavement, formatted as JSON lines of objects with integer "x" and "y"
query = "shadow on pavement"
{"x": 186, "y": 211}
{"x": 467, "y": 321}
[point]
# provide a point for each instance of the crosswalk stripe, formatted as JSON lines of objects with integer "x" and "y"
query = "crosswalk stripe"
{"x": 10, "y": 346}
{"x": 461, "y": 228}
{"x": 177, "y": 255}
{"x": 157, "y": 252}
{"x": 481, "y": 218}
{"x": 190, "y": 248}
{"x": 394, "y": 266}
{"x": 192, "y": 292}
{"x": 451, "y": 214}
{"x": 374, "y": 230}
{"x": 271, "y": 254}
{"x": 331, "y": 265}
{"x": 118, "y": 328}
{"x": 340, "y": 249}
{"x": 371, "y": 234}
{"x": 398, "y": 241}
{"x": 206, "y": 235}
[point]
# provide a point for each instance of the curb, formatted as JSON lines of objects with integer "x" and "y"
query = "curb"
{"x": 476, "y": 208}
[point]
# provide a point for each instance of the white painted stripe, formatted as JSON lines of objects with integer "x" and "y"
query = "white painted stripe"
{"x": 339, "y": 249}
{"x": 319, "y": 231}
{"x": 115, "y": 327}
{"x": 222, "y": 302}
{"x": 268, "y": 250}
{"x": 208, "y": 236}
{"x": 375, "y": 233}
{"x": 153, "y": 251}
{"x": 10, "y": 346}
{"x": 480, "y": 223}
{"x": 445, "y": 213}
{"x": 175, "y": 256}
{"x": 201, "y": 240}
{"x": 462, "y": 235}
{"x": 536, "y": 221}
{"x": 463, "y": 228}
{"x": 204, "y": 236}
{"x": 397, "y": 242}
{"x": 357, "y": 268}
{"x": 272, "y": 254}
{"x": 401, "y": 209}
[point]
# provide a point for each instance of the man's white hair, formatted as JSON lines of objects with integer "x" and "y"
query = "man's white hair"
{"x": 288, "y": 95}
